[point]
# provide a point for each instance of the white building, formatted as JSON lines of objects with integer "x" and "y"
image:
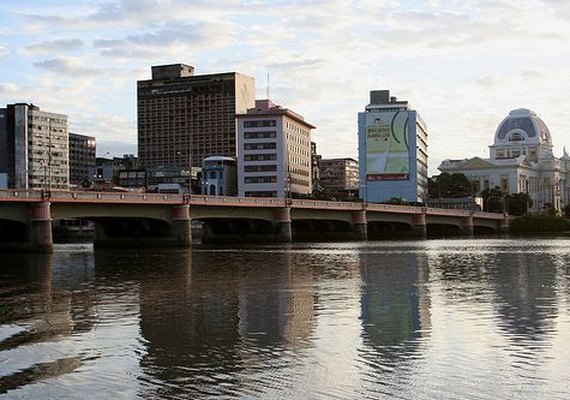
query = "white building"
{"x": 521, "y": 161}
{"x": 274, "y": 152}
{"x": 34, "y": 148}
{"x": 219, "y": 176}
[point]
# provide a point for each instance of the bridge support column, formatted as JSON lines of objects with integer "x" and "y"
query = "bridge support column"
{"x": 504, "y": 224}
{"x": 359, "y": 225}
{"x": 284, "y": 231}
{"x": 467, "y": 226}
{"x": 181, "y": 226}
{"x": 419, "y": 225}
{"x": 41, "y": 239}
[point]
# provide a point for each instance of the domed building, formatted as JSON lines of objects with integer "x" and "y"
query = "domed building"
{"x": 521, "y": 160}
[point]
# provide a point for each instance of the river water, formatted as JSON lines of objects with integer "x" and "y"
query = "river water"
{"x": 445, "y": 319}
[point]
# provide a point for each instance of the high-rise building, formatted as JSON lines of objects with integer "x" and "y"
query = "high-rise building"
{"x": 392, "y": 142}
{"x": 339, "y": 175}
{"x": 82, "y": 150}
{"x": 184, "y": 118}
{"x": 34, "y": 148}
{"x": 274, "y": 157}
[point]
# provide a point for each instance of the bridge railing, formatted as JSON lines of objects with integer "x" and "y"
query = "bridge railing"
{"x": 20, "y": 195}
{"x": 113, "y": 197}
{"x": 337, "y": 205}
{"x": 197, "y": 199}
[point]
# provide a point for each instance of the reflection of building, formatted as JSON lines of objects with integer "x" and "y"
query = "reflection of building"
{"x": 34, "y": 148}
{"x": 396, "y": 303}
{"x": 392, "y": 140}
{"x": 521, "y": 161}
{"x": 81, "y": 158}
{"x": 219, "y": 176}
{"x": 339, "y": 175}
{"x": 184, "y": 118}
{"x": 274, "y": 152}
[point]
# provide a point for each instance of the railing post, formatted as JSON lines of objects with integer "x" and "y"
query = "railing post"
{"x": 41, "y": 238}
{"x": 284, "y": 231}
{"x": 504, "y": 224}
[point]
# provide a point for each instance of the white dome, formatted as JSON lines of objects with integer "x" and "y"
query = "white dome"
{"x": 523, "y": 125}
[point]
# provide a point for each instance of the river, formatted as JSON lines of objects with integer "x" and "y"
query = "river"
{"x": 445, "y": 319}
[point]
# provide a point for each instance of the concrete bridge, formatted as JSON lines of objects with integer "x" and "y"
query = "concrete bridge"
{"x": 149, "y": 219}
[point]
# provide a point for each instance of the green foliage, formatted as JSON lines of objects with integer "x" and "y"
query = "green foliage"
{"x": 539, "y": 223}
{"x": 6, "y": 314}
{"x": 449, "y": 186}
{"x": 397, "y": 201}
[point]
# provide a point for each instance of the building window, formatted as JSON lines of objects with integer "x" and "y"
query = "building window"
{"x": 259, "y": 123}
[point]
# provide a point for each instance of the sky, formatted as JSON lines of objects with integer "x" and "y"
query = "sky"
{"x": 462, "y": 64}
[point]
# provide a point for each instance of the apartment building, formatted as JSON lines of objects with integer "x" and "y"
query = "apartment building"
{"x": 274, "y": 157}
{"x": 34, "y": 145}
{"x": 184, "y": 118}
{"x": 338, "y": 175}
{"x": 82, "y": 150}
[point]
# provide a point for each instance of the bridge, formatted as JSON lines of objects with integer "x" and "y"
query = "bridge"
{"x": 150, "y": 219}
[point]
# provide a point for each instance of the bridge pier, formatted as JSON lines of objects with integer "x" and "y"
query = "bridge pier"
{"x": 466, "y": 226}
{"x": 419, "y": 225}
{"x": 504, "y": 224}
{"x": 40, "y": 237}
{"x": 181, "y": 226}
{"x": 284, "y": 231}
{"x": 359, "y": 225}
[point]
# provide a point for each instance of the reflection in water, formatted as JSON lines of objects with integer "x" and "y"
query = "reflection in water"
{"x": 428, "y": 319}
{"x": 395, "y": 306}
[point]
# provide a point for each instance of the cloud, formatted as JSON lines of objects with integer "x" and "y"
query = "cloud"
{"x": 54, "y": 46}
{"x": 175, "y": 39}
{"x": 3, "y": 51}
{"x": 68, "y": 66}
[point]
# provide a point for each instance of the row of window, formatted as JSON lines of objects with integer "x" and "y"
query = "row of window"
{"x": 260, "y": 123}
{"x": 260, "y": 146}
{"x": 260, "y": 135}
{"x": 260, "y": 179}
{"x": 260, "y": 157}
{"x": 260, "y": 168}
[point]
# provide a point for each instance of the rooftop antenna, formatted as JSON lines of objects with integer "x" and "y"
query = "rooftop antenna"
{"x": 267, "y": 87}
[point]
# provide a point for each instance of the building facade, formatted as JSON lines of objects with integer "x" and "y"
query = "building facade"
{"x": 339, "y": 175}
{"x": 392, "y": 150}
{"x": 274, "y": 157}
{"x": 184, "y": 118}
{"x": 219, "y": 176}
{"x": 34, "y": 148}
{"x": 82, "y": 151}
{"x": 520, "y": 161}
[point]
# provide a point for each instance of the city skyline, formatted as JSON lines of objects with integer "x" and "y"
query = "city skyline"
{"x": 462, "y": 65}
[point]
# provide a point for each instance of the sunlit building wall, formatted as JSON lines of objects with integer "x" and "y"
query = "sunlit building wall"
{"x": 392, "y": 141}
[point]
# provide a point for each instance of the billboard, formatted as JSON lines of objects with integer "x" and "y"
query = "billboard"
{"x": 387, "y": 146}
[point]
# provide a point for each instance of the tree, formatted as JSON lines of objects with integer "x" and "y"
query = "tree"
{"x": 519, "y": 203}
{"x": 448, "y": 185}
{"x": 494, "y": 200}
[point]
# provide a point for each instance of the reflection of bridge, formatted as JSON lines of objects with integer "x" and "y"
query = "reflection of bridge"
{"x": 148, "y": 219}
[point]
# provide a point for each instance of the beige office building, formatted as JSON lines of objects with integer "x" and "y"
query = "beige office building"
{"x": 274, "y": 157}
{"x": 184, "y": 118}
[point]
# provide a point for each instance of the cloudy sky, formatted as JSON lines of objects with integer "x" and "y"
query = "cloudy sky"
{"x": 463, "y": 64}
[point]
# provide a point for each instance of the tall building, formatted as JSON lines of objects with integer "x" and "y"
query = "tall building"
{"x": 392, "y": 147}
{"x": 82, "y": 150}
{"x": 274, "y": 157}
{"x": 339, "y": 175}
{"x": 184, "y": 118}
{"x": 33, "y": 148}
{"x": 521, "y": 161}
